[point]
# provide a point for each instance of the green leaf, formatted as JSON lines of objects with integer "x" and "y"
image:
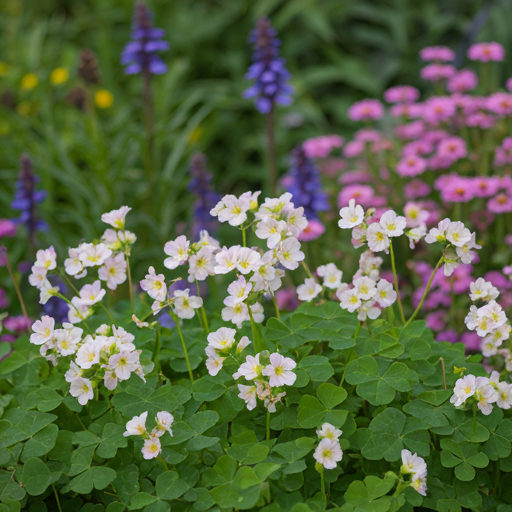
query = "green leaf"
{"x": 96, "y": 476}
{"x": 318, "y": 368}
{"x": 436, "y": 397}
{"x": 294, "y": 450}
{"x": 169, "y": 486}
{"x": 25, "y": 424}
{"x": 41, "y": 443}
{"x": 330, "y": 395}
{"x": 112, "y": 439}
{"x": 44, "y": 398}
{"x": 361, "y": 370}
{"x": 202, "y": 421}
{"x": 208, "y": 388}
{"x": 140, "y": 500}
{"x": 36, "y": 476}
{"x": 499, "y": 444}
{"x": 311, "y": 412}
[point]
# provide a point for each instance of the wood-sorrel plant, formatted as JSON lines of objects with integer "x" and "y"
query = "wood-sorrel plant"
{"x": 325, "y": 408}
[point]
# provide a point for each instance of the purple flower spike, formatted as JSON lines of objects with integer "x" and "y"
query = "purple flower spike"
{"x": 139, "y": 55}
{"x": 267, "y": 70}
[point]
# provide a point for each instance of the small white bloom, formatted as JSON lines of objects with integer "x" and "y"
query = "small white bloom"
{"x": 413, "y": 464}
{"x": 251, "y": 369}
{"x": 351, "y": 215}
{"x": 73, "y": 265}
{"x": 110, "y": 380}
{"x": 257, "y": 313}
{"x": 438, "y": 234}
{"x": 365, "y": 288}
{"x": 73, "y": 373}
{"x": 296, "y": 221}
{"x": 38, "y": 276}
{"x": 235, "y": 210}
{"x": 415, "y": 235}
{"x": 328, "y": 453}
{"x": 222, "y": 339}
{"x": 47, "y": 292}
{"x": 280, "y": 371}
{"x": 116, "y": 218}
{"x": 136, "y": 426}
{"x": 244, "y": 342}
{"x": 331, "y": 275}
{"x": 43, "y": 330}
{"x": 247, "y": 260}
{"x": 177, "y": 251}
{"x": 309, "y": 290}
{"x": 113, "y": 271}
{"x": 505, "y": 395}
{"x": 82, "y": 389}
{"x": 270, "y": 401}
{"x": 164, "y": 421}
{"x": 89, "y": 353}
{"x": 65, "y": 342}
{"x": 151, "y": 448}
{"x": 237, "y": 314}
{"x": 329, "y": 431}
{"x": 376, "y": 237}
{"x": 482, "y": 290}
{"x": 368, "y": 309}
{"x": 464, "y": 388}
{"x": 458, "y": 234}
{"x": 154, "y": 285}
{"x": 124, "y": 363}
{"x": 385, "y": 295}
{"x": 214, "y": 362}
{"x": 46, "y": 258}
{"x": 226, "y": 259}
{"x": 465, "y": 253}
{"x": 140, "y": 324}
{"x": 392, "y": 224}
{"x": 92, "y": 293}
{"x": 201, "y": 264}
{"x": 94, "y": 255}
{"x": 78, "y": 311}
{"x": 289, "y": 253}
{"x": 419, "y": 484}
{"x": 272, "y": 231}
{"x": 185, "y": 304}
{"x": 248, "y": 394}
{"x": 349, "y": 300}
{"x": 238, "y": 291}
{"x": 485, "y": 395}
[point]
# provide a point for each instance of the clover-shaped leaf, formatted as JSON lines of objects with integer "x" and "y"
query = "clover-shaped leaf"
{"x": 464, "y": 457}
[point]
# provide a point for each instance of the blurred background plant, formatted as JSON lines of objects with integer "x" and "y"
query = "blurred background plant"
{"x": 66, "y": 102}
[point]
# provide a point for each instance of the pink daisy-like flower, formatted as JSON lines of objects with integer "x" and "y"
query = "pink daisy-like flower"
{"x": 411, "y": 165}
{"x": 363, "y": 195}
{"x": 455, "y": 189}
{"x": 485, "y": 52}
{"x": 351, "y": 177}
{"x": 482, "y": 219}
{"x": 472, "y": 341}
{"x": 485, "y": 186}
{"x": 500, "y": 103}
{"x": 366, "y": 110}
{"x": 320, "y": 147}
{"x": 439, "y": 109}
{"x": 401, "y": 94}
{"x": 437, "y": 72}
{"x": 417, "y": 188}
{"x": 508, "y": 84}
{"x": 315, "y": 229}
{"x": 453, "y": 148}
{"x": 437, "y": 53}
{"x": 353, "y": 148}
{"x": 502, "y": 203}
{"x": 465, "y": 80}
{"x": 7, "y": 228}
{"x": 407, "y": 111}
{"x": 413, "y": 130}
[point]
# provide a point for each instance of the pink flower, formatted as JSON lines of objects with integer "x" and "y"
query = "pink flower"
{"x": 320, "y": 147}
{"x": 438, "y": 109}
{"x": 363, "y": 195}
{"x": 436, "y": 72}
{"x": 353, "y": 148}
{"x": 453, "y": 148}
{"x": 472, "y": 341}
{"x": 449, "y": 335}
{"x": 436, "y": 320}
{"x": 366, "y": 110}
{"x": 411, "y": 165}
{"x": 482, "y": 219}
{"x": 502, "y": 203}
{"x": 500, "y": 103}
{"x": 418, "y": 147}
{"x": 354, "y": 177}
{"x": 410, "y": 131}
{"x": 508, "y": 240}
{"x": 407, "y": 111}
{"x": 437, "y": 53}
{"x": 332, "y": 166}
{"x": 7, "y": 228}
{"x": 315, "y": 229}
{"x": 18, "y": 324}
{"x": 508, "y": 84}
{"x": 287, "y": 299}
{"x": 486, "y": 52}
{"x": 480, "y": 120}
{"x": 401, "y": 94}
{"x": 485, "y": 186}
{"x": 417, "y": 188}
{"x": 465, "y": 80}
{"x": 454, "y": 188}
{"x": 4, "y": 300}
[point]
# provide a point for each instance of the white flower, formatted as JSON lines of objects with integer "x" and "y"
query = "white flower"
{"x": 289, "y": 253}
{"x": 151, "y": 448}
{"x": 226, "y": 259}
{"x": 419, "y": 484}
{"x": 82, "y": 389}
{"x": 368, "y": 309}
{"x": 110, "y": 379}
{"x": 116, "y": 218}
{"x": 465, "y": 253}
{"x": 184, "y": 305}
{"x": 46, "y": 258}
{"x": 296, "y": 221}
{"x": 490, "y": 346}
{"x": 329, "y": 431}
{"x": 415, "y": 235}
{"x": 113, "y": 271}
{"x": 78, "y": 311}
{"x": 154, "y": 285}
{"x": 214, "y": 361}
{"x": 438, "y": 234}
{"x": 257, "y": 312}
{"x": 275, "y": 207}
{"x": 359, "y": 235}
{"x": 177, "y": 251}
{"x": 272, "y": 231}
{"x": 265, "y": 273}
{"x": 328, "y": 453}
{"x": 415, "y": 215}
{"x": 73, "y": 265}
{"x": 247, "y": 260}
{"x": 47, "y": 292}
{"x": 38, "y": 276}
{"x": 164, "y": 421}
{"x": 235, "y": 210}
{"x": 377, "y": 238}
{"x": 331, "y": 275}
{"x": 253, "y": 199}
{"x": 124, "y": 363}
{"x": 201, "y": 265}
{"x": 214, "y": 212}
{"x": 270, "y": 401}
{"x": 280, "y": 371}
{"x": 248, "y": 394}
{"x": 237, "y": 314}
{"x": 458, "y": 234}
{"x": 205, "y": 240}
{"x": 464, "y": 388}
{"x": 73, "y": 373}
{"x": 65, "y": 342}
{"x": 251, "y": 369}
{"x": 140, "y": 324}
{"x": 309, "y": 290}
{"x": 222, "y": 339}
{"x": 244, "y": 342}
{"x": 385, "y": 295}
{"x": 351, "y": 215}
{"x": 505, "y": 395}
{"x": 451, "y": 262}
{"x": 349, "y": 300}
{"x": 122, "y": 336}
{"x": 413, "y": 464}
{"x": 94, "y": 255}
{"x": 92, "y": 293}
{"x": 43, "y": 330}
{"x": 392, "y": 224}
{"x": 238, "y": 291}
{"x": 89, "y": 353}
{"x": 485, "y": 395}
{"x": 482, "y": 290}
{"x": 136, "y": 426}
{"x": 365, "y": 288}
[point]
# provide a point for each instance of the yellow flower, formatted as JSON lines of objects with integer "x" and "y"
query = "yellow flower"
{"x": 59, "y": 76}
{"x": 29, "y": 81}
{"x": 4, "y": 67}
{"x": 103, "y": 98}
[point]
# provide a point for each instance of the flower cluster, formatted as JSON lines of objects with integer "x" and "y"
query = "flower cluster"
{"x": 482, "y": 391}
{"x": 328, "y": 452}
{"x": 137, "y": 427}
{"x": 221, "y": 344}
{"x": 414, "y": 465}
{"x": 269, "y": 373}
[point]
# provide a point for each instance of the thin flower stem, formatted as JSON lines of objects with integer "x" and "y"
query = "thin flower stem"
{"x": 129, "y": 281}
{"x": 177, "y": 321}
{"x": 429, "y": 284}
{"x": 56, "y": 497}
{"x": 395, "y": 279}
{"x": 244, "y": 237}
{"x": 16, "y": 286}
{"x": 276, "y": 306}
{"x": 258, "y": 344}
{"x": 203, "y": 311}
{"x": 268, "y": 425}
{"x": 306, "y": 268}
{"x": 271, "y": 142}
{"x": 322, "y": 482}
{"x": 108, "y": 313}
{"x": 68, "y": 282}
{"x": 161, "y": 459}
{"x": 78, "y": 417}
{"x": 444, "y": 372}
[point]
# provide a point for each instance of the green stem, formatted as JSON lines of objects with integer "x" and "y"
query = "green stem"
{"x": 176, "y": 320}
{"x": 306, "y": 268}
{"x": 322, "y": 483}
{"x": 161, "y": 459}
{"x": 395, "y": 279}
{"x": 268, "y": 425}
{"x": 276, "y": 306}
{"x": 16, "y": 286}
{"x": 258, "y": 343}
{"x": 129, "y": 274}
{"x": 429, "y": 284}
{"x": 78, "y": 417}
{"x": 56, "y": 497}
{"x": 244, "y": 238}
{"x": 108, "y": 313}
{"x": 203, "y": 311}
